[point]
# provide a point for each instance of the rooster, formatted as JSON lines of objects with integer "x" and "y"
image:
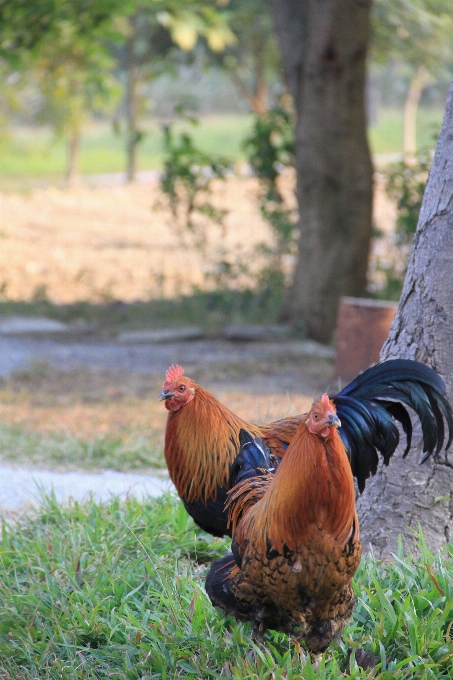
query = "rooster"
{"x": 202, "y": 437}
{"x": 296, "y": 542}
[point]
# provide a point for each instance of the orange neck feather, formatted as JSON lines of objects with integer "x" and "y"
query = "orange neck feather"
{"x": 312, "y": 488}
{"x": 201, "y": 440}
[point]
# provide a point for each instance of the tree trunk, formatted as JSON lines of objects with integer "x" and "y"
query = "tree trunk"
{"x": 132, "y": 118}
{"x": 72, "y": 168}
{"x": 406, "y": 493}
{"x": 324, "y": 46}
{"x": 416, "y": 87}
{"x": 255, "y": 97}
{"x": 260, "y": 90}
{"x": 256, "y": 94}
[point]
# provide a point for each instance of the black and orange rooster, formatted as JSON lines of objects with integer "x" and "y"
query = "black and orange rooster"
{"x": 296, "y": 542}
{"x": 202, "y": 435}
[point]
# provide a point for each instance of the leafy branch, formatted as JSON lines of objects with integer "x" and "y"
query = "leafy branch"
{"x": 187, "y": 185}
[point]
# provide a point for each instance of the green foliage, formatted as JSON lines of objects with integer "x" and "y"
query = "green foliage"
{"x": 73, "y": 74}
{"x": 187, "y": 21}
{"x": 405, "y": 184}
{"x": 270, "y": 150}
{"x": 211, "y": 309}
{"x": 60, "y": 46}
{"x": 187, "y": 185}
{"x": 416, "y": 33}
{"x": 405, "y": 611}
{"x": 98, "y": 591}
{"x": 115, "y": 590}
{"x": 386, "y": 136}
{"x": 30, "y": 153}
{"x": 26, "y": 26}
{"x": 270, "y": 147}
{"x": 9, "y": 103}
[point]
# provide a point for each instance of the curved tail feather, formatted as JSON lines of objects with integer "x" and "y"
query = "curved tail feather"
{"x": 369, "y": 405}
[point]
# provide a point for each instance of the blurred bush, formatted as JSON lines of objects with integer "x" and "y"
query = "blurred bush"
{"x": 405, "y": 184}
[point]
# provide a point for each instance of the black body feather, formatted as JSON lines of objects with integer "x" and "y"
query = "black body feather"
{"x": 254, "y": 459}
{"x": 211, "y": 517}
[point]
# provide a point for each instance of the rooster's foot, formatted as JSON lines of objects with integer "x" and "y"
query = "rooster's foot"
{"x": 315, "y": 660}
{"x": 258, "y": 626}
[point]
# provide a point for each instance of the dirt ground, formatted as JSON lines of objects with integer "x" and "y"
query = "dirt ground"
{"x": 118, "y": 242}
{"x": 113, "y": 242}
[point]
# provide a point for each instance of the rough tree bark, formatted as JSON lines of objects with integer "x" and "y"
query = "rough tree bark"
{"x": 324, "y": 47}
{"x": 406, "y": 493}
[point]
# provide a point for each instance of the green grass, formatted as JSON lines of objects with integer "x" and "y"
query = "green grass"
{"x": 116, "y": 591}
{"x": 35, "y": 153}
{"x": 64, "y": 452}
{"x": 387, "y": 136}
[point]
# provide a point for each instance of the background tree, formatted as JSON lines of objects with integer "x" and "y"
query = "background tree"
{"x": 142, "y": 49}
{"x": 73, "y": 72}
{"x": 60, "y": 44}
{"x": 252, "y": 61}
{"x": 324, "y": 48}
{"x": 417, "y": 36}
{"x": 146, "y": 48}
{"x": 25, "y": 26}
{"x": 405, "y": 493}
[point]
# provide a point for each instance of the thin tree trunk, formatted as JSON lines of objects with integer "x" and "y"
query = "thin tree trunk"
{"x": 73, "y": 147}
{"x": 324, "y": 47}
{"x": 255, "y": 93}
{"x": 406, "y": 493}
{"x": 132, "y": 119}
{"x": 416, "y": 87}
{"x": 256, "y": 98}
{"x": 260, "y": 94}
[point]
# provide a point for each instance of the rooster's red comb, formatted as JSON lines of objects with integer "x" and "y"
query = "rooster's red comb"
{"x": 326, "y": 401}
{"x": 173, "y": 373}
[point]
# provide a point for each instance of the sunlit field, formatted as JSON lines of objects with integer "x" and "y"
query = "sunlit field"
{"x": 387, "y": 135}
{"x": 34, "y": 152}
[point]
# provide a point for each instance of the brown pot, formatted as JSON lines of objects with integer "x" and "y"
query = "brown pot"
{"x": 363, "y": 326}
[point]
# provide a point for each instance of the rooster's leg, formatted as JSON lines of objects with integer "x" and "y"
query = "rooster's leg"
{"x": 258, "y": 627}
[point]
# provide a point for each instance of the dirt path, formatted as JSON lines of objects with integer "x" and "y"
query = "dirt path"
{"x": 97, "y": 386}
{"x": 21, "y": 489}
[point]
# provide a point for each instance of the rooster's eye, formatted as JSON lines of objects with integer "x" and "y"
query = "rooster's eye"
{"x": 315, "y": 416}
{"x": 182, "y": 388}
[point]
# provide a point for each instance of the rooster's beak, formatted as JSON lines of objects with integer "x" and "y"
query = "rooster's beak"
{"x": 333, "y": 420}
{"x": 165, "y": 394}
